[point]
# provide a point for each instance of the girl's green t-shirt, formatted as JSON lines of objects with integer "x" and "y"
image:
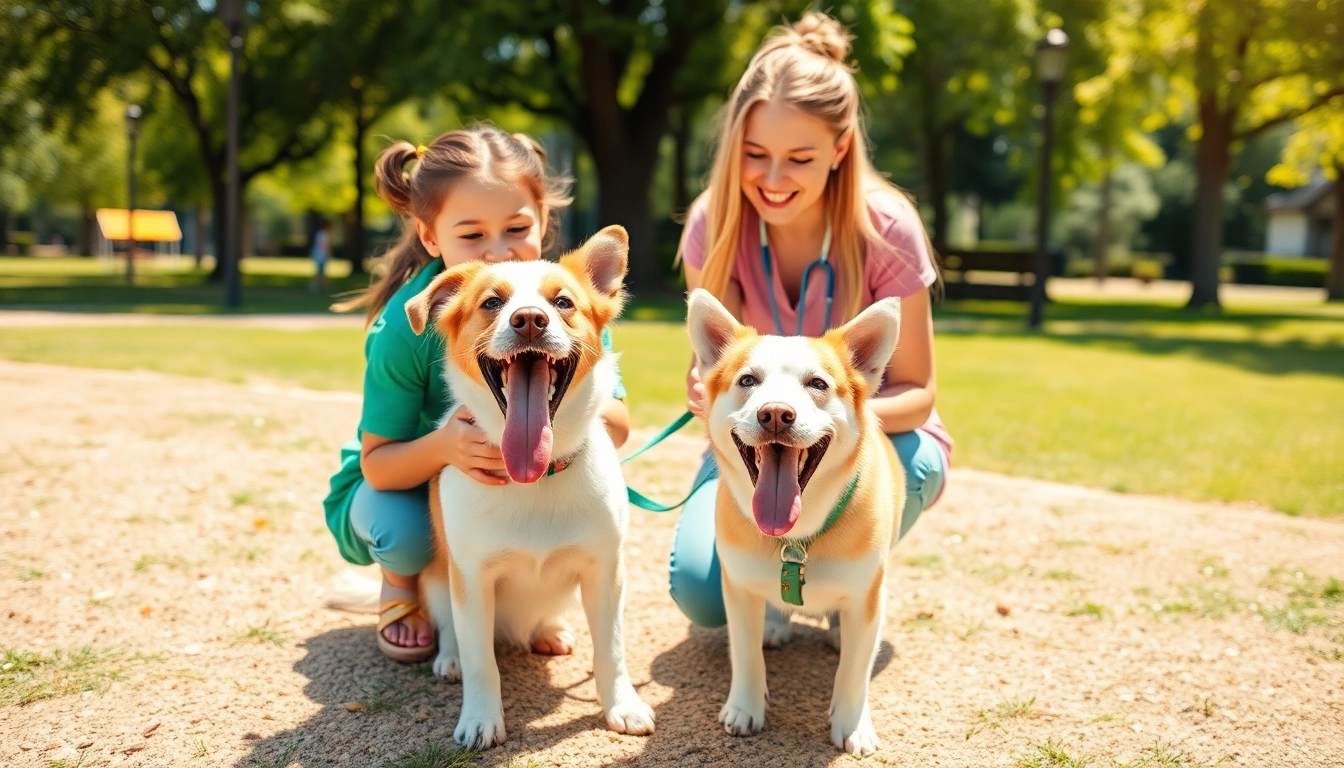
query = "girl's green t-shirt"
{"x": 405, "y": 395}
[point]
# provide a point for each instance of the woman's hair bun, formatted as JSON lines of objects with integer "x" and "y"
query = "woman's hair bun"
{"x": 823, "y": 35}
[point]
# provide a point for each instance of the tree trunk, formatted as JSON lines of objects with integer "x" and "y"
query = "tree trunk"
{"x": 681, "y": 148}
{"x": 354, "y": 245}
{"x": 1213, "y": 158}
{"x": 935, "y": 150}
{"x": 220, "y": 192}
{"x": 1103, "y": 245}
{"x": 623, "y": 198}
{"x": 87, "y": 223}
{"x": 1334, "y": 280}
{"x": 198, "y": 215}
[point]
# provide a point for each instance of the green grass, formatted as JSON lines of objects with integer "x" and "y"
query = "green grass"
{"x": 1052, "y": 754}
{"x": 27, "y": 676}
{"x": 434, "y": 754}
{"x": 163, "y": 287}
{"x": 1008, "y": 709}
{"x": 1143, "y": 398}
{"x": 1162, "y": 755}
{"x": 265, "y": 633}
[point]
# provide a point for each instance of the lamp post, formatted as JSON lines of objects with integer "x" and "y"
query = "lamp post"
{"x": 1051, "y": 56}
{"x": 132, "y": 132}
{"x": 234, "y": 15}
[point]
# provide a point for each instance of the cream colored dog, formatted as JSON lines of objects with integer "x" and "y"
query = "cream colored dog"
{"x": 810, "y": 499}
{"x": 525, "y": 356}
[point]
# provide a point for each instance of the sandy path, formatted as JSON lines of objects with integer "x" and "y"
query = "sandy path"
{"x": 164, "y": 520}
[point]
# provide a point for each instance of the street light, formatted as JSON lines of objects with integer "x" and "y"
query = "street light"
{"x": 132, "y": 131}
{"x": 234, "y": 15}
{"x": 1051, "y": 56}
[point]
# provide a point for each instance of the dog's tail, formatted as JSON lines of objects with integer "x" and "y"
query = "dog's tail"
{"x": 351, "y": 591}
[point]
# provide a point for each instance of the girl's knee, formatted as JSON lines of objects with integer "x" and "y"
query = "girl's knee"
{"x": 395, "y": 526}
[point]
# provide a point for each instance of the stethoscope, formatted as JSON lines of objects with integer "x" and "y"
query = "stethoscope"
{"x": 822, "y": 262}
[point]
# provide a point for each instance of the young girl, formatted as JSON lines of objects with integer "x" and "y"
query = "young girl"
{"x": 791, "y": 185}
{"x": 470, "y": 195}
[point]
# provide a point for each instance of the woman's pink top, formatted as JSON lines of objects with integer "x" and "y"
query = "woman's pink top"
{"x": 900, "y": 273}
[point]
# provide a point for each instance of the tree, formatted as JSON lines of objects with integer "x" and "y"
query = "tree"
{"x": 607, "y": 71}
{"x": 969, "y": 62}
{"x": 180, "y": 45}
{"x": 361, "y": 63}
{"x": 1115, "y": 119}
{"x": 1246, "y": 66}
{"x": 91, "y": 166}
{"x": 1318, "y": 144}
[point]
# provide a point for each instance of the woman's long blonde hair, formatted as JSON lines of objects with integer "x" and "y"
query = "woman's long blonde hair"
{"x": 802, "y": 65}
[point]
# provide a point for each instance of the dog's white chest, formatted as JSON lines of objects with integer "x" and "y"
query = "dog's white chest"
{"x": 828, "y": 584}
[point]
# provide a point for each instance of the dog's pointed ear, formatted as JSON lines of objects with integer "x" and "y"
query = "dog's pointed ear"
{"x": 871, "y": 339}
{"x": 712, "y": 327}
{"x": 425, "y": 306}
{"x": 604, "y": 258}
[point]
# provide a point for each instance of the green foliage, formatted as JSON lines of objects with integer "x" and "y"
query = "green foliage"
{"x": 1132, "y": 202}
{"x": 1270, "y": 270}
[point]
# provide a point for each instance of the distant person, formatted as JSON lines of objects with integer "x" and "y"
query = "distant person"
{"x": 321, "y": 254}
{"x": 471, "y": 195}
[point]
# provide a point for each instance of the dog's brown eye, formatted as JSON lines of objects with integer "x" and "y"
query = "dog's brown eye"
{"x": 746, "y": 381}
{"x": 562, "y": 302}
{"x": 817, "y": 384}
{"x": 493, "y": 304}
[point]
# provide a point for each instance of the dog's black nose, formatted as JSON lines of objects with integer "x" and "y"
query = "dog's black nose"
{"x": 776, "y": 417}
{"x": 529, "y": 322}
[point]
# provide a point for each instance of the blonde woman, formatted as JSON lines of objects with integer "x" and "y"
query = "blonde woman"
{"x": 793, "y": 195}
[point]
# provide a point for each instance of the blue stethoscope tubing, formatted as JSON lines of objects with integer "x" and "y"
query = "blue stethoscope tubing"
{"x": 823, "y": 262}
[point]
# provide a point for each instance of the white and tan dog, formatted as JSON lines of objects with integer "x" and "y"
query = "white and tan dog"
{"x": 525, "y": 355}
{"x": 810, "y": 500}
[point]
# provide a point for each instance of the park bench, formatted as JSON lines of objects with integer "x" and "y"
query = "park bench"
{"x": 1004, "y": 275}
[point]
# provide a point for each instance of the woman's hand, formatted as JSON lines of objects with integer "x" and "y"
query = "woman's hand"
{"x": 466, "y": 448}
{"x": 695, "y": 393}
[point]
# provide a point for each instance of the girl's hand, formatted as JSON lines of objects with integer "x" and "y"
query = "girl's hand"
{"x": 695, "y": 393}
{"x": 466, "y": 448}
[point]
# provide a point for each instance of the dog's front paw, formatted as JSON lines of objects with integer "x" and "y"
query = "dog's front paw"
{"x": 447, "y": 667}
{"x": 631, "y": 716}
{"x": 742, "y": 720}
{"x": 859, "y": 740}
{"x": 553, "y": 638}
{"x": 479, "y": 732}
{"x": 778, "y": 628}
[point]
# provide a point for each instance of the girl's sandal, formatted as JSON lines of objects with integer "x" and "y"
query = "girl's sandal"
{"x": 389, "y": 613}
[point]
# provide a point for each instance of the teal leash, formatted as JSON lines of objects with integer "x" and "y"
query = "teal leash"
{"x": 644, "y": 502}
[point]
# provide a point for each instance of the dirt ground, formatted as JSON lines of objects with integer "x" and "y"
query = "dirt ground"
{"x": 173, "y": 526}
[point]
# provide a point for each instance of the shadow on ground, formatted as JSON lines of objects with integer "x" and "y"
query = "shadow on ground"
{"x": 407, "y": 711}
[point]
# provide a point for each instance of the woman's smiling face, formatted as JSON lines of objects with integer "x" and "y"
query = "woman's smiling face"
{"x": 787, "y": 156}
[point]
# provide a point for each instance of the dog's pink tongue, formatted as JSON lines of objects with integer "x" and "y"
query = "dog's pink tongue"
{"x": 527, "y": 421}
{"x": 778, "y": 500}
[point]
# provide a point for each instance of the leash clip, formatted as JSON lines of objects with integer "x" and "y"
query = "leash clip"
{"x": 793, "y": 553}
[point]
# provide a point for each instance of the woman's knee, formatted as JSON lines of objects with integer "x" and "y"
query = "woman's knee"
{"x": 922, "y": 459}
{"x": 395, "y": 526}
{"x": 925, "y": 473}
{"x": 694, "y": 579}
